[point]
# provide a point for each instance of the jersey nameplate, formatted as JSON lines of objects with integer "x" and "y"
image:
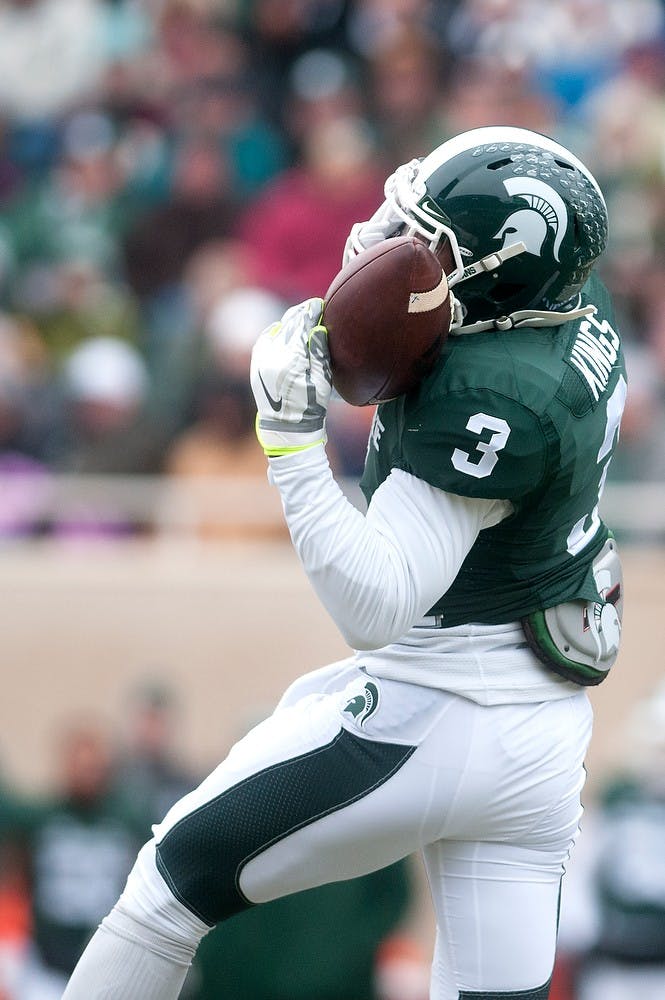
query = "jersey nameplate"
{"x": 594, "y": 353}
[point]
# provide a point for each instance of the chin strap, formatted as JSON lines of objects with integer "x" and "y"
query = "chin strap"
{"x": 525, "y": 317}
{"x": 514, "y": 320}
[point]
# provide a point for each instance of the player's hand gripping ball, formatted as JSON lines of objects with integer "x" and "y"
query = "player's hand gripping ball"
{"x": 388, "y": 314}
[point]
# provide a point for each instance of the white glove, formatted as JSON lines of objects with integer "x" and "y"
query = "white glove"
{"x": 291, "y": 381}
{"x": 386, "y": 221}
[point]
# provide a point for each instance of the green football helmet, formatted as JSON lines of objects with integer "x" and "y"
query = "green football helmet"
{"x": 524, "y": 219}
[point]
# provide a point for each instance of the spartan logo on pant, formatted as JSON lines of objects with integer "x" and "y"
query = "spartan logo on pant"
{"x": 363, "y": 705}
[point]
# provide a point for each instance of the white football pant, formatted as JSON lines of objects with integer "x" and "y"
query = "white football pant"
{"x": 351, "y": 773}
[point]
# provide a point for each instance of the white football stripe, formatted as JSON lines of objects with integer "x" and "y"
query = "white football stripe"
{"x": 420, "y": 302}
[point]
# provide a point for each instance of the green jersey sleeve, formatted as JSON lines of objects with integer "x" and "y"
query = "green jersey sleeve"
{"x": 476, "y": 443}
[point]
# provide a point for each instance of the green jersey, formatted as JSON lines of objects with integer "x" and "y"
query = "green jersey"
{"x": 528, "y": 415}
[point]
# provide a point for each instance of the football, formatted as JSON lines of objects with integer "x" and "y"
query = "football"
{"x": 388, "y": 315}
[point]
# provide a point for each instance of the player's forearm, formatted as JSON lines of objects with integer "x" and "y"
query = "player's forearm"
{"x": 375, "y": 575}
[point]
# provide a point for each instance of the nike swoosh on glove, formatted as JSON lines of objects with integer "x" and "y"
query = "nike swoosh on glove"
{"x": 291, "y": 381}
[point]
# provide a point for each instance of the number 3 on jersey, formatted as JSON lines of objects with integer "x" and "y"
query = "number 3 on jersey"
{"x": 482, "y": 466}
{"x": 580, "y": 536}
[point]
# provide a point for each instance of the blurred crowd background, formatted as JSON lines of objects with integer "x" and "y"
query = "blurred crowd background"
{"x": 173, "y": 174}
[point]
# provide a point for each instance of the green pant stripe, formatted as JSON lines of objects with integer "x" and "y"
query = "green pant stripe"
{"x": 202, "y": 856}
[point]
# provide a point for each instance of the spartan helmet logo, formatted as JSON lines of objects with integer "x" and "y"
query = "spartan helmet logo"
{"x": 546, "y": 209}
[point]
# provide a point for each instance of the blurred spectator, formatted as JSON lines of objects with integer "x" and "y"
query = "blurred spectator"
{"x": 216, "y": 270}
{"x": 282, "y": 30}
{"x": 77, "y": 212}
{"x": 298, "y": 226}
{"x": 625, "y": 120}
{"x": 106, "y": 384}
{"x": 224, "y": 110}
{"x": 406, "y": 75}
{"x": 28, "y": 430}
{"x": 14, "y": 922}
{"x": 613, "y": 902}
{"x": 235, "y": 322}
{"x": 480, "y": 95}
{"x": 624, "y": 133}
{"x": 581, "y": 42}
{"x": 50, "y": 55}
{"x": 324, "y": 86}
{"x": 126, "y": 30}
{"x": 27, "y": 396}
{"x": 148, "y": 770}
{"x": 221, "y": 440}
{"x": 11, "y": 175}
{"x": 80, "y": 846}
{"x": 376, "y": 24}
{"x": 201, "y": 208}
{"x": 175, "y": 318}
{"x": 191, "y": 44}
{"x": 15, "y": 918}
{"x": 80, "y": 303}
{"x": 568, "y": 46}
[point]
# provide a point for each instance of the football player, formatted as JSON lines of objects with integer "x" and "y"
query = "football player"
{"x": 481, "y": 593}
